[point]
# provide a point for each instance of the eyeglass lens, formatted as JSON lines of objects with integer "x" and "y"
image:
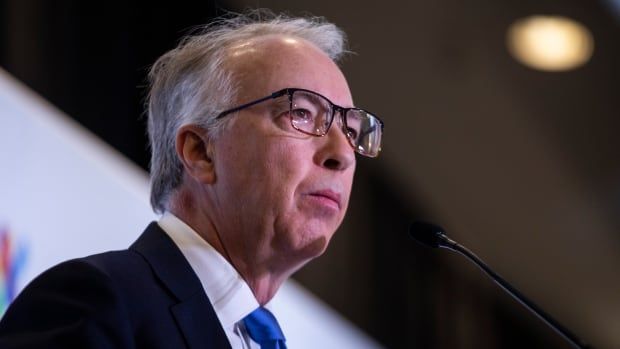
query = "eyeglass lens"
{"x": 313, "y": 114}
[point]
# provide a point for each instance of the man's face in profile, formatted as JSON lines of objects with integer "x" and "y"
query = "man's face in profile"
{"x": 280, "y": 194}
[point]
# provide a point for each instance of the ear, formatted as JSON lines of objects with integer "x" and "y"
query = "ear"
{"x": 195, "y": 150}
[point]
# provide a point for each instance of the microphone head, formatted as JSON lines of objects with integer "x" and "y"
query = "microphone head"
{"x": 427, "y": 234}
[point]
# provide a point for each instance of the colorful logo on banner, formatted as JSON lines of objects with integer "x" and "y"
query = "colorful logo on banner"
{"x": 12, "y": 261}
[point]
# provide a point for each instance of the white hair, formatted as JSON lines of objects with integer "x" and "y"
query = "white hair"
{"x": 190, "y": 84}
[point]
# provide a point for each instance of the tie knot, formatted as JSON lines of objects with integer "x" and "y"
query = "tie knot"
{"x": 263, "y": 328}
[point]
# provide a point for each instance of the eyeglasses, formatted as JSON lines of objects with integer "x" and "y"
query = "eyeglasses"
{"x": 313, "y": 114}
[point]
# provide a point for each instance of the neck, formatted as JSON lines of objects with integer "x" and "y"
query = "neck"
{"x": 263, "y": 280}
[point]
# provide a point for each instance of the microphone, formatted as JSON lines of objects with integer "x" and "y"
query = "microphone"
{"x": 433, "y": 236}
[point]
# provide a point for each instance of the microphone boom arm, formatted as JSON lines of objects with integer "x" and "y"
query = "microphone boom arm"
{"x": 447, "y": 243}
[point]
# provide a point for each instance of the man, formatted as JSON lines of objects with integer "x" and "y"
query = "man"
{"x": 253, "y": 136}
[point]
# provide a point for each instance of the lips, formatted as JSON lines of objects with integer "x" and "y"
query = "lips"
{"x": 329, "y": 196}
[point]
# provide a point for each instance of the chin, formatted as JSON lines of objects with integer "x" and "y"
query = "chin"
{"x": 317, "y": 246}
{"x": 297, "y": 251}
{"x": 305, "y": 239}
{"x": 306, "y": 246}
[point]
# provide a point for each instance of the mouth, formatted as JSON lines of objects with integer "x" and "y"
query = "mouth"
{"x": 327, "y": 197}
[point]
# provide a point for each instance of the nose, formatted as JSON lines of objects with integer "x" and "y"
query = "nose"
{"x": 335, "y": 152}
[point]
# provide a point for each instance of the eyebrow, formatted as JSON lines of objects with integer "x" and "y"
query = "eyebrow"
{"x": 312, "y": 98}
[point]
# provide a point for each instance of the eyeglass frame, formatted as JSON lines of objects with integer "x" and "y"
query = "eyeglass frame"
{"x": 334, "y": 108}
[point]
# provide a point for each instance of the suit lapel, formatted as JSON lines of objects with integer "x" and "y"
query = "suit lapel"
{"x": 199, "y": 330}
{"x": 193, "y": 312}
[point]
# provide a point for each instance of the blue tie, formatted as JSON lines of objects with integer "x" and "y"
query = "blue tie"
{"x": 263, "y": 328}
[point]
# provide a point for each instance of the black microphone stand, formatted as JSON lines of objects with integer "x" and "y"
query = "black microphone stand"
{"x": 445, "y": 242}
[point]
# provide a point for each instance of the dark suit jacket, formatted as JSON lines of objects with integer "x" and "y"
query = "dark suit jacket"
{"x": 145, "y": 297}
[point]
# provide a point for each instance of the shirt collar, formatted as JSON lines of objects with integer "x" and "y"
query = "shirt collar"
{"x": 229, "y": 294}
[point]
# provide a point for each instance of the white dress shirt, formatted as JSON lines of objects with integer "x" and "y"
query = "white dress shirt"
{"x": 228, "y": 293}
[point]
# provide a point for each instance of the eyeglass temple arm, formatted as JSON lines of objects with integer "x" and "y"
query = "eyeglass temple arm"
{"x": 249, "y": 104}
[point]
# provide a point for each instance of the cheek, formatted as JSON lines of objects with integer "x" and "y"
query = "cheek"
{"x": 268, "y": 172}
{"x": 285, "y": 165}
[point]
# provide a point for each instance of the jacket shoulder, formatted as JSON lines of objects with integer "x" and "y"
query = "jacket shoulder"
{"x": 70, "y": 305}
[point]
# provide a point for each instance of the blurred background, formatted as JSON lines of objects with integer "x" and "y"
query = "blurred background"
{"x": 501, "y": 126}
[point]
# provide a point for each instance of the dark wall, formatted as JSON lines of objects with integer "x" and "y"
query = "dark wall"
{"x": 91, "y": 59}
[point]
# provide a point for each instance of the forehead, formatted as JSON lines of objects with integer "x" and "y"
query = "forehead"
{"x": 267, "y": 64}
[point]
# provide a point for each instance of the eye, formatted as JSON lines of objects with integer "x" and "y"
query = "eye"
{"x": 352, "y": 133}
{"x": 301, "y": 115}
